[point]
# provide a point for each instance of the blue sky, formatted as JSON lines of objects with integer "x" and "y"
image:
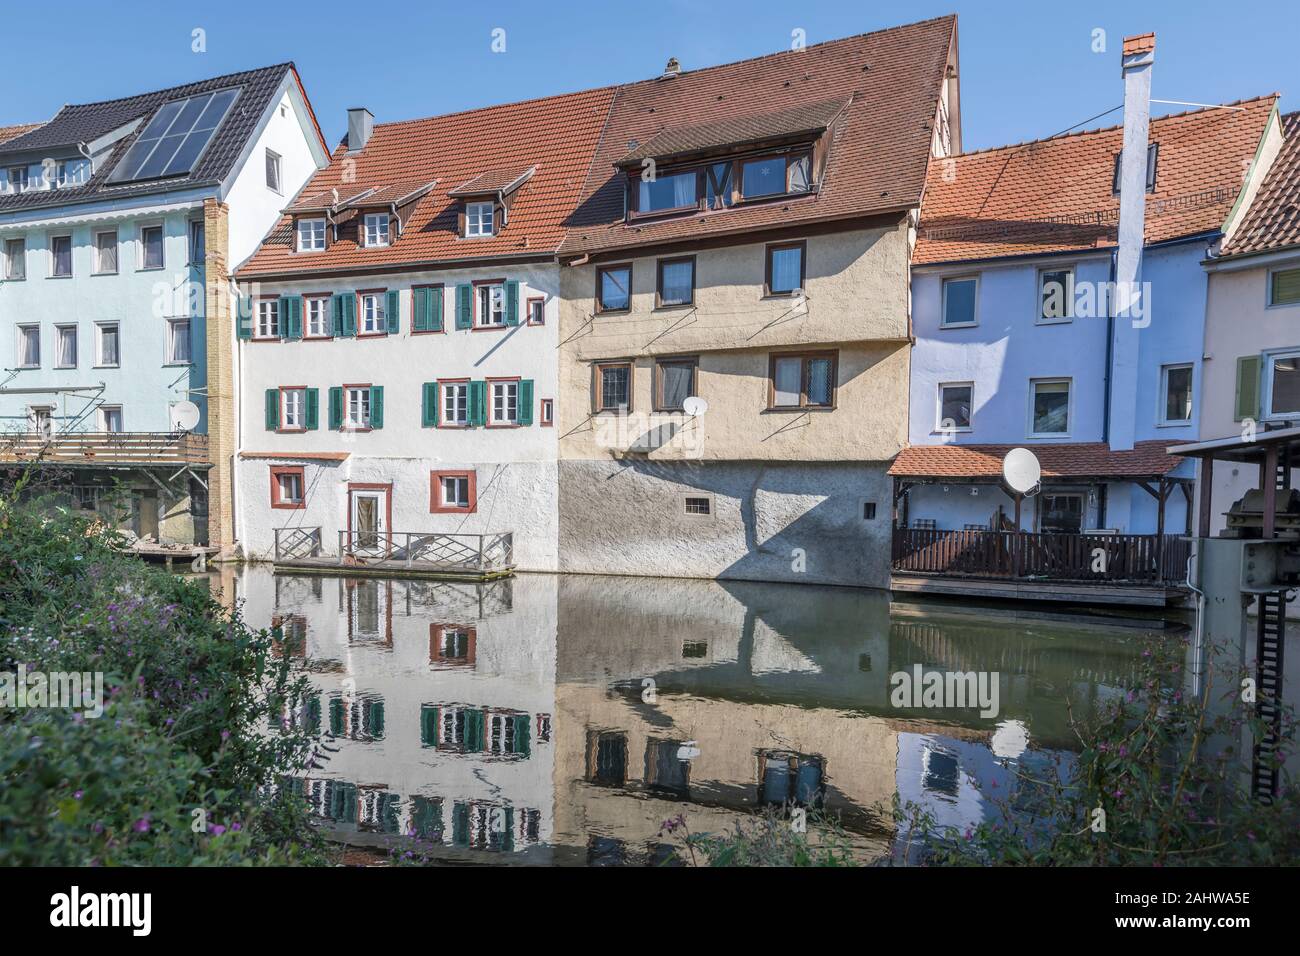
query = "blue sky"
{"x": 1028, "y": 69}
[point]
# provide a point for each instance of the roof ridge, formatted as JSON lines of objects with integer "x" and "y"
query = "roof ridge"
{"x": 1118, "y": 126}
{"x": 287, "y": 64}
{"x": 497, "y": 106}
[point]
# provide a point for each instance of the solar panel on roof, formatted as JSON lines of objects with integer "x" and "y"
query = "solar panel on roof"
{"x": 173, "y": 141}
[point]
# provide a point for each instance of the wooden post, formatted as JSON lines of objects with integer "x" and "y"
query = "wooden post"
{"x": 1207, "y": 490}
{"x": 1268, "y": 481}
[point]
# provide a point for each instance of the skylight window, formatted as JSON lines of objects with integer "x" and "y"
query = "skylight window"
{"x": 173, "y": 141}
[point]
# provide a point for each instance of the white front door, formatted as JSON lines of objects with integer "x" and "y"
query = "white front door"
{"x": 369, "y": 513}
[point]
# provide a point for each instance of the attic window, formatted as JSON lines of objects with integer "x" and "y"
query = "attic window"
{"x": 1153, "y": 156}
{"x": 721, "y": 184}
{"x": 478, "y": 219}
{"x": 311, "y": 235}
{"x": 17, "y": 178}
{"x": 376, "y": 230}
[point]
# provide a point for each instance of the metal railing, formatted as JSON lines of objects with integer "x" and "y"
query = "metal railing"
{"x": 291, "y": 543}
{"x": 475, "y": 552}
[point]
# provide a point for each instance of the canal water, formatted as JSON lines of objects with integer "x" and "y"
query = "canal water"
{"x": 558, "y": 719}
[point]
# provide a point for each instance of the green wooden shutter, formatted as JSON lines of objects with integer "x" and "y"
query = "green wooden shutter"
{"x": 521, "y": 734}
{"x": 336, "y": 313}
{"x": 429, "y": 405}
{"x": 376, "y": 708}
{"x": 420, "y": 310}
{"x": 272, "y": 409}
{"x": 313, "y": 408}
{"x": 464, "y": 306}
{"x": 290, "y": 317}
{"x": 1247, "y": 398}
{"x": 460, "y": 824}
{"x": 336, "y": 716}
{"x": 313, "y": 714}
{"x": 474, "y": 731}
{"x": 244, "y": 317}
{"x": 477, "y": 403}
{"x": 392, "y": 312}
{"x": 336, "y": 408}
{"x": 435, "y": 309}
{"x": 376, "y": 406}
{"x": 525, "y": 411}
{"x": 512, "y": 302}
{"x": 349, "y": 314}
{"x": 428, "y": 725}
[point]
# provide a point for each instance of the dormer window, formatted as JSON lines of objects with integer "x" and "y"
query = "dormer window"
{"x": 376, "y": 229}
{"x": 720, "y": 185}
{"x": 479, "y": 219}
{"x": 17, "y": 178}
{"x": 311, "y": 235}
{"x": 669, "y": 192}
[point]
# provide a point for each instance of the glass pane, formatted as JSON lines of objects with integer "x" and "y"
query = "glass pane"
{"x": 676, "y": 383}
{"x": 614, "y": 292}
{"x": 787, "y": 269}
{"x": 958, "y": 301}
{"x": 678, "y": 281}
{"x": 667, "y": 192}
{"x": 763, "y": 177}
{"x": 1055, "y": 295}
{"x": 1061, "y": 514}
{"x": 613, "y": 387}
{"x": 955, "y": 412}
{"x": 157, "y": 162}
{"x": 1286, "y": 286}
{"x": 798, "y": 175}
{"x": 1286, "y": 385}
{"x": 819, "y": 381}
{"x": 786, "y": 381}
{"x": 717, "y": 185}
{"x": 1051, "y": 407}
{"x": 1178, "y": 395}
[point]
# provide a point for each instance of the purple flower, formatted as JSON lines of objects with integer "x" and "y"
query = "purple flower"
{"x": 142, "y": 825}
{"x": 216, "y": 829}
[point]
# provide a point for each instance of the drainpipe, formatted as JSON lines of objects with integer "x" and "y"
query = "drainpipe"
{"x": 1110, "y": 355}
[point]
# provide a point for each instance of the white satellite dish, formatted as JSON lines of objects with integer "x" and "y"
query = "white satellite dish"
{"x": 1021, "y": 471}
{"x": 695, "y": 406}
{"x": 185, "y": 416}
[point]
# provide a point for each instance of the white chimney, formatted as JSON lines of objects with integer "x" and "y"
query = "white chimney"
{"x": 1132, "y": 311}
{"x": 361, "y": 123}
{"x": 671, "y": 69}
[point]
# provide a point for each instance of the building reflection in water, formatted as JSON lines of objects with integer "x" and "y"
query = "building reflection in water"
{"x": 562, "y": 719}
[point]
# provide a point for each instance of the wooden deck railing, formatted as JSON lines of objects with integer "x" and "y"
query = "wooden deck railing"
{"x": 160, "y": 448}
{"x": 1101, "y": 558}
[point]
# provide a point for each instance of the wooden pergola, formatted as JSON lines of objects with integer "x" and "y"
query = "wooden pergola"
{"x": 1274, "y": 452}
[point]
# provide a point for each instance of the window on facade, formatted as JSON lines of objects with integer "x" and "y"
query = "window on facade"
{"x": 41, "y": 420}
{"x": 358, "y": 407}
{"x": 268, "y": 318}
{"x": 1284, "y": 287}
{"x": 1176, "y": 387}
{"x": 785, "y": 268}
{"x": 151, "y": 247}
{"x": 669, "y": 191}
{"x": 65, "y": 346}
{"x": 197, "y": 243}
{"x": 1051, "y": 410}
{"x": 273, "y": 171}
{"x": 478, "y": 219}
{"x": 805, "y": 380}
{"x": 451, "y": 644}
{"x": 29, "y": 346}
{"x": 17, "y": 179}
{"x": 675, "y": 383}
{"x": 178, "y": 342}
{"x": 455, "y": 403}
{"x": 311, "y": 235}
{"x": 665, "y": 769}
{"x": 698, "y": 505}
{"x": 505, "y": 403}
{"x": 288, "y": 490}
{"x": 110, "y": 418}
{"x": 959, "y": 301}
{"x": 61, "y": 256}
{"x": 613, "y": 386}
{"x": 676, "y": 282}
{"x": 318, "y": 317}
{"x": 607, "y": 758}
{"x": 491, "y": 306}
{"x": 1060, "y": 513}
{"x": 106, "y": 252}
{"x": 548, "y": 411}
{"x": 1055, "y": 295}
{"x": 954, "y": 406}
{"x": 1284, "y": 383}
{"x": 613, "y": 288}
{"x": 775, "y": 176}
{"x": 455, "y": 491}
{"x": 15, "y": 259}
{"x": 107, "y": 351}
{"x": 293, "y": 408}
{"x": 790, "y": 779}
{"x": 373, "y": 319}
{"x": 536, "y": 311}
{"x": 717, "y": 186}
{"x": 376, "y": 229}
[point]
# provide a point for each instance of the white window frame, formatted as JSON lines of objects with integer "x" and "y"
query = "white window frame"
{"x": 1163, "y": 396}
{"x": 267, "y": 309}
{"x": 455, "y": 396}
{"x": 938, "y": 411}
{"x": 475, "y": 220}
{"x": 1270, "y": 358}
{"x": 72, "y": 268}
{"x": 34, "y": 415}
{"x": 373, "y": 317}
{"x": 457, "y": 482}
{"x": 98, "y": 263}
{"x": 143, "y": 262}
{"x": 295, "y": 420}
{"x": 695, "y": 514}
{"x": 21, "y": 351}
{"x": 9, "y": 259}
{"x": 1039, "y": 319}
{"x": 492, "y": 289}
{"x": 315, "y": 237}
{"x": 546, "y": 411}
{"x": 1069, "y": 406}
{"x": 297, "y": 478}
{"x": 509, "y": 392}
{"x": 1268, "y": 288}
{"x": 99, "y": 344}
{"x": 104, "y": 411}
{"x": 59, "y": 331}
{"x": 943, "y": 302}
{"x": 273, "y": 162}
{"x": 358, "y": 398}
{"x": 376, "y": 227}
{"x": 197, "y": 257}
{"x": 172, "y": 325}
{"x": 317, "y": 307}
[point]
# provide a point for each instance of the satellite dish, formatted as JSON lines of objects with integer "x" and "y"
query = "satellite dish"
{"x": 695, "y": 406}
{"x": 1021, "y": 471}
{"x": 185, "y": 416}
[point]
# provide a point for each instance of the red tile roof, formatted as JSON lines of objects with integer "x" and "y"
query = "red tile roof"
{"x": 879, "y": 149}
{"x": 1084, "y": 460}
{"x": 13, "y": 132}
{"x": 494, "y": 180}
{"x": 1273, "y": 220}
{"x": 1142, "y": 43}
{"x": 557, "y": 134}
{"x": 1055, "y": 194}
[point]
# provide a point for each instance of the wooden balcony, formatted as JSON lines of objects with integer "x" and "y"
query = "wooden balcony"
{"x": 1105, "y": 568}
{"x": 105, "y": 448}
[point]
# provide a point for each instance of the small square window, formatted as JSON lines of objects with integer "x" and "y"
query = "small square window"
{"x": 614, "y": 289}
{"x": 491, "y": 306}
{"x": 1056, "y": 295}
{"x": 358, "y": 406}
{"x": 376, "y": 229}
{"x": 179, "y": 351}
{"x": 197, "y": 243}
{"x": 1051, "y": 408}
{"x": 17, "y": 179}
{"x": 785, "y": 269}
{"x": 537, "y": 311}
{"x": 955, "y": 406}
{"x": 374, "y": 317}
{"x": 613, "y": 386}
{"x": 268, "y": 319}
{"x": 1176, "y": 388}
{"x": 505, "y": 403}
{"x": 699, "y": 505}
{"x": 29, "y": 346}
{"x": 453, "y": 492}
{"x": 479, "y": 219}
{"x": 868, "y": 511}
{"x": 676, "y": 282}
{"x": 455, "y": 403}
{"x": 110, "y": 418}
{"x": 802, "y": 380}
{"x": 675, "y": 382}
{"x": 311, "y": 235}
{"x": 959, "y": 297}
{"x": 1284, "y": 287}
{"x": 548, "y": 411}
{"x": 288, "y": 487}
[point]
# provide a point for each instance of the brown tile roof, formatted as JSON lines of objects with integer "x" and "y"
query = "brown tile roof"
{"x": 1273, "y": 220}
{"x": 494, "y": 180}
{"x": 1142, "y": 43}
{"x": 1083, "y": 460}
{"x": 557, "y": 134}
{"x": 1055, "y": 194}
{"x": 879, "y": 150}
{"x": 13, "y": 132}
